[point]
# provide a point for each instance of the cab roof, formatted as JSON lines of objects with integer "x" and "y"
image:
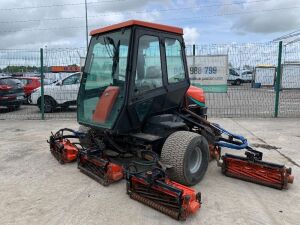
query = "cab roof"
{"x": 129, "y": 23}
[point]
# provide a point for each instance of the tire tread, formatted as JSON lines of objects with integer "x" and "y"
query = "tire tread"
{"x": 173, "y": 152}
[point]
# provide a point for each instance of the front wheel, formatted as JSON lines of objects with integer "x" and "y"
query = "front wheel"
{"x": 49, "y": 104}
{"x": 188, "y": 154}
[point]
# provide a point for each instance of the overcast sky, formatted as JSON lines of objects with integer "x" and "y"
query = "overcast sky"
{"x": 61, "y": 23}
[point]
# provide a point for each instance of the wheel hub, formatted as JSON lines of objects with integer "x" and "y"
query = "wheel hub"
{"x": 195, "y": 160}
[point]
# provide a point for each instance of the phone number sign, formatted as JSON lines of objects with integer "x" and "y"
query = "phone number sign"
{"x": 209, "y": 72}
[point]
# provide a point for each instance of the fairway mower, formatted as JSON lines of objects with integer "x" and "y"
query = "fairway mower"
{"x": 142, "y": 120}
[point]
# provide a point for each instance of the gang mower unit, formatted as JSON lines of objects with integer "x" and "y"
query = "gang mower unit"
{"x": 143, "y": 121}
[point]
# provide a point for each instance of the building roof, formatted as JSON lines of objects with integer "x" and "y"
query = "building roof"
{"x": 161, "y": 27}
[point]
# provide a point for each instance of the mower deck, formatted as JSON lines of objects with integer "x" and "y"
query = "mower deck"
{"x": 164, "y": 195}
{"x": 256, "y": 171}
{"x": 92, "y": 164}
{"x": 146, "y": 177}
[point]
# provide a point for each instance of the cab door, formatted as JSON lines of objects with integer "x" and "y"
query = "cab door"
{"x": 151, "y": 92}
{"x": 147, "y": 89}
{"x": 176, "y": 73}
{"x": 69, "y": 89}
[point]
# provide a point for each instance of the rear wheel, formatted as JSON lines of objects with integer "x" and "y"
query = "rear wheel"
{"x": 188, "y": 154}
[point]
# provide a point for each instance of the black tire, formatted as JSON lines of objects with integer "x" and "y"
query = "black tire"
{"x": 238, "y": 82}
{"x": 188, "y": 154}
{"x": 49, "y": 104}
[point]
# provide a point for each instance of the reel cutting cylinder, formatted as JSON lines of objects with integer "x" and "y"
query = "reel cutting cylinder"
{"x": 256, "y": 171}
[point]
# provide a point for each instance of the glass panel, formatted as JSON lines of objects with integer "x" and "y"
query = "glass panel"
{"x": 71, "y": 80}
{"x": 9, "y": 81}
{"x": 148, "y": 71}
{"x": 24, "y": 81}
{"x": 104, "y": 79}
{"x": 175, "y": 66}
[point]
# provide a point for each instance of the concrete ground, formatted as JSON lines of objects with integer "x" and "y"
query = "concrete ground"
{"x": 35, "y": 189}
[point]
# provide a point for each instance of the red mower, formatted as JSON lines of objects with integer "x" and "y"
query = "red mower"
{"x": 143, "y": 121}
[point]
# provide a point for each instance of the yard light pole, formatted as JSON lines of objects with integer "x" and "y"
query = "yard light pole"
{"x": 86, "y": 25}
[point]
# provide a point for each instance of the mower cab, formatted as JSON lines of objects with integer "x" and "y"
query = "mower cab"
{"x": 142, "y": 121}
{"x": 133, "y": 70}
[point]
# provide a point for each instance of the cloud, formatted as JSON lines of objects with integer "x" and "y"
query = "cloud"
{"x": 27, "y": 28}
{"x": 191, "y": 35}
{"x": 41, "y": 30}
{"x": 265, "y": 19}
{"x": 125, "y": 5}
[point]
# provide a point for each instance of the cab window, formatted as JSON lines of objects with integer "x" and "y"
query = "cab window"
{"x": 174, "y": 60}
{"x": 148, "y": 70}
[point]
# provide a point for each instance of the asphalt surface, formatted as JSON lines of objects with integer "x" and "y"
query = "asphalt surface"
{"x": 32, "y": 112}
{"x": 239, "y": 101}
{"x": 36, "y": 189}
{"x": 244, "y": 101}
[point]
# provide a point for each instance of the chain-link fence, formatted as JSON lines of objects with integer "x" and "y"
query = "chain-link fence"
{"x": 249, "y": 89}
{"x": 18, "y": 64}
{"x": 61, "y": 70}
{"x": 239, "y": 80}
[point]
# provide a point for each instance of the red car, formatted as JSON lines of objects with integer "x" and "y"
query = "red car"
{"x": 30, "y": 83}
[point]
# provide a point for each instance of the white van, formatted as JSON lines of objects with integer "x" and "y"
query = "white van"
{"x": 236, "y": 77}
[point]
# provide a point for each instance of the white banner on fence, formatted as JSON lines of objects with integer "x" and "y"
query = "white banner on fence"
{"x": 209, "y": 72}
{"x": 265, "y": 75}
{"x": 290, "y": 76}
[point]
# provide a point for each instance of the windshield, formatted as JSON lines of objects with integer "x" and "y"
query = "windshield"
{"x": 10, "y": 82}
{"x": 103, "y": 83}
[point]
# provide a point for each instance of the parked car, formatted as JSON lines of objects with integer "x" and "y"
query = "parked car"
{"x": 11, "y": 93}
{"x": 30, "y": 83}
{"x": 48, "y": 81}
{"x": 247, "y": 76}
{"x": 236, "y": 77}
{"x": 62, "y": 93}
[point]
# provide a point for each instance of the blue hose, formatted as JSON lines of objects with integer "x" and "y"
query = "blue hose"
{"x": 224, "y": 143}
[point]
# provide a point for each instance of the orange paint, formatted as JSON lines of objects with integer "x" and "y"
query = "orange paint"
{"x": 196, "y": 93}
{"x": 105, "y": 104}
{"x": 272, "y": 175}
{"x": 189, "y": 202}
{"x": 57, "y": 69}
{"x": 130, "y": 23}
{"x": 69, "y": 152}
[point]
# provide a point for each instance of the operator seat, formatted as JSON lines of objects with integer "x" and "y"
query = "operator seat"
{"x": 153, "y": 77}
{"x": 105, "y": 104}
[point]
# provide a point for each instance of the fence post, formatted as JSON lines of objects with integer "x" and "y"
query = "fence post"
{"x": 278, "y": 79}
{"x": 42, "y": 85}
{"x": 194, "y": 54}
{"x": 194, "y": 49}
